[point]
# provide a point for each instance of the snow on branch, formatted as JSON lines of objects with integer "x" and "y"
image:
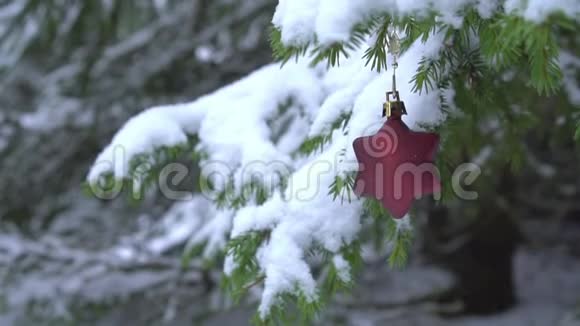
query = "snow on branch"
{"x": 330, "y": 21}
{"x": 231, "y": 123}
{"x": 264, "y": 118}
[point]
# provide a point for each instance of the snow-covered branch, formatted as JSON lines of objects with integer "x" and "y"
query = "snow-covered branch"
{"x": 270, "y": 193}
{"x": 233, "y": 128}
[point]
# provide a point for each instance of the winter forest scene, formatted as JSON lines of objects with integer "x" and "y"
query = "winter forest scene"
{"x": 290, "y": 162}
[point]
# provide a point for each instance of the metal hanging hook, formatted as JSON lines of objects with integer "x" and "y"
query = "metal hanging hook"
{"x": 395, "y": 50}
{"x": 395, "y": 106}
{"x": 394, "y": 78}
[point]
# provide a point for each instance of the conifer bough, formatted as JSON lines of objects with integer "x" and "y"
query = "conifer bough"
{"x": 467, "y": 67}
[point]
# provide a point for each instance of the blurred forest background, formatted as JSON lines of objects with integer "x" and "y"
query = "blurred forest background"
{"x": 73, "y": 71}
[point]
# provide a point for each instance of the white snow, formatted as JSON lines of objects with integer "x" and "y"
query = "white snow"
{"x": 185, "y": 220}
{"x": 570, "y": 65}
{"x": 236, "y": 127}
{"x": 232, "y": 124}
{"x": 328, "y": 21}
{"x": 404, "y": 223}
{"x": 538, "y": 10}
{"x": 156, "y": 127}
{"x": 11, "y": 9}
{"x": 342, "y": 268}
{"x": 214, "y": 233}
{"x": 13, "y": 44}
{"x": 296, "y": 18}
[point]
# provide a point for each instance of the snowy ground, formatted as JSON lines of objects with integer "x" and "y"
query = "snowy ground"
{"x": 547, "y": 281}
{"x": 548, "y": 286}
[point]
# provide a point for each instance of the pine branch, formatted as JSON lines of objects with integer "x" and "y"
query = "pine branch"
{"x": 401, "y": 239}
{"x": 284, "y": 53}
{"x": 316, "y": 143}
{"x": 243, "y": 249}
{"x": 377, "y": 54}
{"x": 343, "y": 187}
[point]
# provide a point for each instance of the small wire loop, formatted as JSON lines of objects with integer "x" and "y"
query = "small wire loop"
{"x": 395, "y": 50}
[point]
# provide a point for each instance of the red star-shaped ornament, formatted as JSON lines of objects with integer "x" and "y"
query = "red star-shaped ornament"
{"x": 396, "y": 165}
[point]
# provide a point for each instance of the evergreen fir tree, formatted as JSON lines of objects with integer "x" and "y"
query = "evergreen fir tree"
{"x": 477, "y": 72}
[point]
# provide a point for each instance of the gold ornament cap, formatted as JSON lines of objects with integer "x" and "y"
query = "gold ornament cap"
{"x": 394, "y": 107}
